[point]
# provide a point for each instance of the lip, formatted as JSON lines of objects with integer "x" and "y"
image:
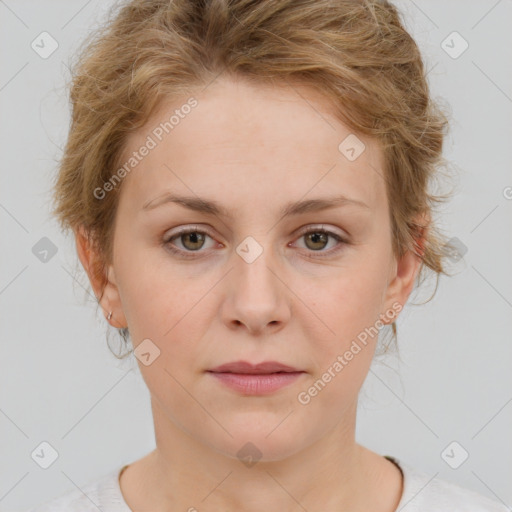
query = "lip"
{"x": 256, "y": 384}
{"x": 245, "y": 367}
{"x": 255, "y": 379}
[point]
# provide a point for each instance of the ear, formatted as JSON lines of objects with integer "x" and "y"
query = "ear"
{"x": 405, "y": 271}
{"x": 102, "y": 278}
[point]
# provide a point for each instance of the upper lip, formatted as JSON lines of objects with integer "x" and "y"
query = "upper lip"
{"x": 261, "y": 368}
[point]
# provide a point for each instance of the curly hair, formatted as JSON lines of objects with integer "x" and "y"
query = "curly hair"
{"x": 356, "y": 53}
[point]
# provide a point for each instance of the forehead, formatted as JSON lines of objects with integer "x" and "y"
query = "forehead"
{"x": 243, "y": 142}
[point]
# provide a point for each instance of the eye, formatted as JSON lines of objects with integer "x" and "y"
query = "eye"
{"x": 316, "y": 239}
{"x": 191, "y": 239}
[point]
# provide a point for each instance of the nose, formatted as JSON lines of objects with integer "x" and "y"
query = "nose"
{"x": 257, "y": 298}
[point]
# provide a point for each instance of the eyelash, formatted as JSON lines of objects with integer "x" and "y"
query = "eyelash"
{"x": 188, "y": 230}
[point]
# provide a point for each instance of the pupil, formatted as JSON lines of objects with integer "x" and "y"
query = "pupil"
{"x": 318, "y": 237}
{"x": 195, "y": 238}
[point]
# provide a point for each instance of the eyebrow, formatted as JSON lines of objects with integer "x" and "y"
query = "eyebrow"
{"x": 214, "y": 208}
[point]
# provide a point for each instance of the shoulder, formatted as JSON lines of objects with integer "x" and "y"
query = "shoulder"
{"x": 426, "y": 492}
{"x": 101, "y": 494}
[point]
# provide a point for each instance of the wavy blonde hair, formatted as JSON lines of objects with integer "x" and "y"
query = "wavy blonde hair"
{"x": 357, "y": 53}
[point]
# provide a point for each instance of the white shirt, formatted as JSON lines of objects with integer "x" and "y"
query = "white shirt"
{"x": 421, "y": 493}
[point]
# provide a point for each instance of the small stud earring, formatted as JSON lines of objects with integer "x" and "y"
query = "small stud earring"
{"x": 109, "y": 316}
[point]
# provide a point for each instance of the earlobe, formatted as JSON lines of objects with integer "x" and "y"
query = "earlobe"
{"x": 112, "y": 297}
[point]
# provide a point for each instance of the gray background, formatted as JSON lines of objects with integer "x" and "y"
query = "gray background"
{"x": 59, "y": 382}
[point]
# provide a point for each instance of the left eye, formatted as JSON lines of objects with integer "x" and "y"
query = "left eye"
{"x": 193, "y": 240}
{"x": 317, "y": 239}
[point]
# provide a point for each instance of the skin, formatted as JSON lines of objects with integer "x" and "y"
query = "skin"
{"x": 254, "y": 148}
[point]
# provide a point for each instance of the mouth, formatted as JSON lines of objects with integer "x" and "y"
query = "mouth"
{"x": 255, "y": 379}
{"x": 243, "y": 367}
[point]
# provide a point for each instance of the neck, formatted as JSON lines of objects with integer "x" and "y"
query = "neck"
{"x": 185, "y": 474}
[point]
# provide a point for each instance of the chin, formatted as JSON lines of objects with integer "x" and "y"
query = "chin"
{"x": 261, "y": 442}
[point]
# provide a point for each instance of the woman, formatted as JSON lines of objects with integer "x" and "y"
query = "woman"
{"x": 248, "y": 188}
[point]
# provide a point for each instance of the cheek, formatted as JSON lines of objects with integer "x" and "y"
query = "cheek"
{"x": 164, "y": 311}
{"x": 174, "y": 312}
{"x": 347, "y": 309}
{"x": 344, "y": 352}
{"x": 154, "y": 294}
{"x": 346, "y": 302}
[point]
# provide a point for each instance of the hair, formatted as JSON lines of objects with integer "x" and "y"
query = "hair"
{"x": 356, "y": 53}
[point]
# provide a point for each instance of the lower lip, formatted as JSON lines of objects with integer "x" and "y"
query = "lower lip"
{"x": 256, "y": 384}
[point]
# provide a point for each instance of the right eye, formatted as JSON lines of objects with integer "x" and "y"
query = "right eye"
{"x": 191, "y": 239}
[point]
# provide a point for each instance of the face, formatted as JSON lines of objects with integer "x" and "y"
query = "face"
{"x": 258, "y": 280}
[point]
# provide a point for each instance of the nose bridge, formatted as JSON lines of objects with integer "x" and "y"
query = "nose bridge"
{"x": 255, "y": 261}
{"x": 257, "y": 294}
